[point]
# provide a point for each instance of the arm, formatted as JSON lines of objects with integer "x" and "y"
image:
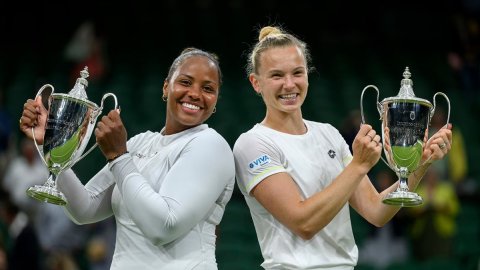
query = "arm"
{"x": 368, "y": 202}
{"x": 92, "y": 202}
{"x": 278, "y": 193}
{"x": 188, "y": 191}
{"x": 305, "y": 217}
{"x": 89, "y": 203}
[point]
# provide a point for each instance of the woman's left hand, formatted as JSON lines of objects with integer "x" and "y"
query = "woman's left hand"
{"x": 111, "y": 135}
{"x": 438, "y": 145}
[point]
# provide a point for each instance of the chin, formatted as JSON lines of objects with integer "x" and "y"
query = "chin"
{"x": 190, "y": 122}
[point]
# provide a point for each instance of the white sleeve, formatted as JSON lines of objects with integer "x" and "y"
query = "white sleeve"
{"x": 89, "y": 203}
{"x": 188, "y": 192}
{"x": 256, "y": 158}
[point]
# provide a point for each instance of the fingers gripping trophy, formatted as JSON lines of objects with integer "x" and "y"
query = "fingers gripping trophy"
{"x": 405, "y": 120}
{"x": 70, "y": 122}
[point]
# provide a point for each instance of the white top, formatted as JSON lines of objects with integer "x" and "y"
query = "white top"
{"x": 167, "y": 195}
{"x": 313, "y": 160}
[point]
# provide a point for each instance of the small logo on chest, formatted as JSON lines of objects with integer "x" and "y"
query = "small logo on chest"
{"x": 139, "y": 155}
{"x": 331, "y": 153}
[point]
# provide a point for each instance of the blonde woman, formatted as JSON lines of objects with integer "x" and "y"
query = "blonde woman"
{"x": 299, "y": 177}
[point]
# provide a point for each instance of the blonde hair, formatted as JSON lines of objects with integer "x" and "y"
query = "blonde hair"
{"x": 268, "y": 30}
{"x": 273, "y": 37}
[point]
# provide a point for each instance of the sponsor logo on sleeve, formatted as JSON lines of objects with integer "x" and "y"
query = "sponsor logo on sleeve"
{"x": 258, "y": 162}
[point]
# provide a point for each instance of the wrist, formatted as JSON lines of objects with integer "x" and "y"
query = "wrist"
{"x": 359, "y": 169}
{"x": 116, "y": 156}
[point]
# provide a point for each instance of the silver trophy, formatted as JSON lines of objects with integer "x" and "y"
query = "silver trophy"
{"x": 405, "y": 120}
{"x": 70, "y": 122}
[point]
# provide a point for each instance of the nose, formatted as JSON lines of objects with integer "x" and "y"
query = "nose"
{"x": 195, "y": 91}
{"x": 289, "y": 82}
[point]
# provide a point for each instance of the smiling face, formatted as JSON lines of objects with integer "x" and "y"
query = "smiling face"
{"x": 282, "y": 79}
{"x": 192, "y": 93}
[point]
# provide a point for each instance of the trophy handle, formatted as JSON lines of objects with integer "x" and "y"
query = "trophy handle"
{"x": 99, "y": 111}
{"x": 432, "y": 111}
{"x": 379, "y": 109}
{"x": 379, "y": 105}
{"x": 33, "y": 131}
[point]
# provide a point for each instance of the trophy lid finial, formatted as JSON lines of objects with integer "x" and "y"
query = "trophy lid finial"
{"x": 406, "y": 78}
{"x": 83, "y": 76}
{"x": 406, "y": 84}
{"x": 406, "y": 92}
{"x": 78, "y": 89}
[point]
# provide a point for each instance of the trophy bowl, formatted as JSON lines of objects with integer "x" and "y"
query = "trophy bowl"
{"x": 405, "y": 121}
{"x": 70, "y": 123}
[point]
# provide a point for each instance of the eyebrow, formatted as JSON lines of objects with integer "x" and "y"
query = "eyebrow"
{"x": 273, "y": 71}
{"x": 281, "y": 71}
{"x": 192, "y": 78}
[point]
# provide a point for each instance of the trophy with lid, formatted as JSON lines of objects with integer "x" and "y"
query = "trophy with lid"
{"x": 69, "y": 125}
{"x": 405, "y": 120}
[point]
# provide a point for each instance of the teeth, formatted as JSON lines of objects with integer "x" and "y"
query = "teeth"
{"x": 190, "y": 106}
{"x": 289, "y": 96}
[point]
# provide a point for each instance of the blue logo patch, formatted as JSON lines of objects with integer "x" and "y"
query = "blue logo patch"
{"x": 260, "y": 161}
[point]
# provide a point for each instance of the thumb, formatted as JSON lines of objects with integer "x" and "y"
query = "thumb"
{"x": 39, "y": 103}
{"x": 38, "y": 100}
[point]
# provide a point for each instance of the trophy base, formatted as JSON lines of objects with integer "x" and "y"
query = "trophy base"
{"x": 403, "y": 198}
{"x": 47, "y": 194}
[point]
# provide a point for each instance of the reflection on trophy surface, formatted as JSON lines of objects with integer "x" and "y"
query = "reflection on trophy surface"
{"x": 70, "y": 122}
{"x": 405, "y": 120}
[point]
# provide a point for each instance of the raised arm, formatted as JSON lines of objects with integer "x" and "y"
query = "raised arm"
{"x": 279, "y": 194}
{"x": 187, "y": 194}
{"x": 89, "y": 203}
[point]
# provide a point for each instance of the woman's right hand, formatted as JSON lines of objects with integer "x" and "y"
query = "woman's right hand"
{"x": 34, "y": 115}
{"x": 367, "y": 147}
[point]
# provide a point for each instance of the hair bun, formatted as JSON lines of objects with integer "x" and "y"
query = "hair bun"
{"x": 268, "y": 30}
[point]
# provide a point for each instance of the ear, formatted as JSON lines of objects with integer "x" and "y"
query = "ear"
{"x": 255, "y": 83}
{"x": 165, "y": 88}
